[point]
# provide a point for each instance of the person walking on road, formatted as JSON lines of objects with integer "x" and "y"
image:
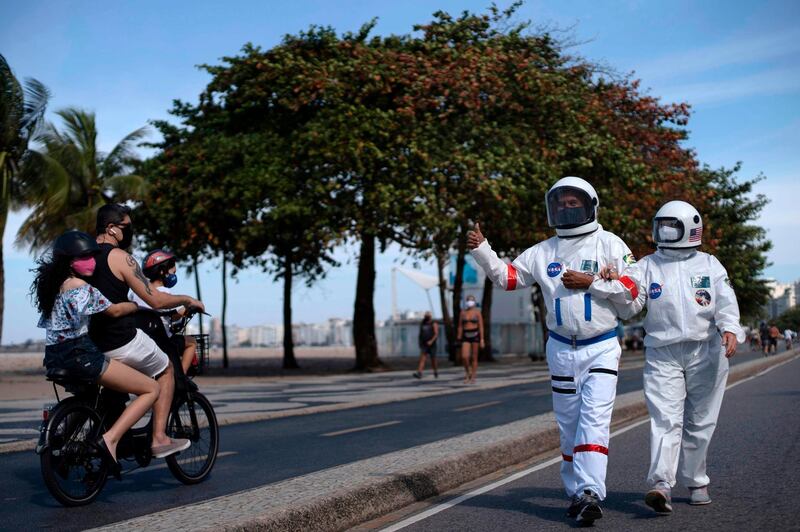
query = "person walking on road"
{"x": 692, "y": 326}
{"x": 788, "y": 335}
{"x": 428, "y": 333}
{"x": 470, "y": 334}
{"x": 582, "y": 347}
{"x": 774, "y": 334}
{"x": 763, "y": 332}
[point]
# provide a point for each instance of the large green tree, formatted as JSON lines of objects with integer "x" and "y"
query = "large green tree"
{"x": 739, "y": 243}
{"x": 22, "y": 108}
{"x": 69, "y": 178}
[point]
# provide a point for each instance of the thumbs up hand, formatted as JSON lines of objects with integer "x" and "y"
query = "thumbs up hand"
{"x": 475, "y": 237}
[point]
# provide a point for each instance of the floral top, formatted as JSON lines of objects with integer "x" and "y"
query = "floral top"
{"x": 71, "y": 312}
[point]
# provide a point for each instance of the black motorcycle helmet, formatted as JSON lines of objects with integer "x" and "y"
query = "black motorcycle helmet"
{"x": 75, "y": 244}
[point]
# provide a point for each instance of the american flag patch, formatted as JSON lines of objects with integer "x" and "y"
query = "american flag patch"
{"x": 696, "y": 234}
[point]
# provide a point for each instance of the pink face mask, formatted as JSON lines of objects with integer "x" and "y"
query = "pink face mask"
{"x": 84, "y": 266}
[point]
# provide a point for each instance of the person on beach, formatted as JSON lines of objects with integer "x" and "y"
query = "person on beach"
{"x": 582, "y": 347}
{"x": 428, "y": 333}
{"x": 693, "y": 327}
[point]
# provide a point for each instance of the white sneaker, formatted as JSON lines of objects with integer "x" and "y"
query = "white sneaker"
{"x": 699, "y": 496}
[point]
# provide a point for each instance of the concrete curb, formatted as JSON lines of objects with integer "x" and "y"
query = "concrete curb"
{"x": 379, "y": 485}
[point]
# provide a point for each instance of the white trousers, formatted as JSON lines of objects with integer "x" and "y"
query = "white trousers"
{"x": 584, "y": 381}
{"x": 683, "y": 384}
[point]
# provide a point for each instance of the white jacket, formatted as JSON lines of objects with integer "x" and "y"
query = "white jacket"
{"x": 574, "y": 314}
{"x": 688, "y": 297}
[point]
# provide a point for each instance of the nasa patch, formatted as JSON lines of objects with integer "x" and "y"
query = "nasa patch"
{"x": 553, "y": 269}
{"x": 655, "y": 291}
{"x": 703, "y": 298}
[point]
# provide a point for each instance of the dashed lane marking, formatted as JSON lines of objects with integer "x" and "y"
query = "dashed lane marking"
{"x": 358, "y": 429}
{"x": 475, "y": 407}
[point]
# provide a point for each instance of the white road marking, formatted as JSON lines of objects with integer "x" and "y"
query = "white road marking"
{"x": 163, "y": 465}
{"x": 516, "y": 476}
{"x": 475, "y": 407}
{"x": 358, "y": 429}
{"x": 19, "y": 431}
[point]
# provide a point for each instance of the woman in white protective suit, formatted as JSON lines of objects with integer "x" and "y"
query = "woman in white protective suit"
{"x": 692, "y": 327}
{"x": 582, "y": 348}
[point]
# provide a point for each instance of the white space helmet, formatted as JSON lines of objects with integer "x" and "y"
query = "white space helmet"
{"x": 677, "y": 225}
{"x": 572, "y": 207}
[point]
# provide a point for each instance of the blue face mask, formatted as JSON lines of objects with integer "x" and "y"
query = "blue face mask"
{"x": 170, "y": 280}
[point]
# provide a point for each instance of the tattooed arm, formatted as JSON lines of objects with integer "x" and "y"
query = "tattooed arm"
{"x": 122, "y": 264}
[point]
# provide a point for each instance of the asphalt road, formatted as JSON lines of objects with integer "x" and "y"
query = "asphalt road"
{"x": 255, "y": 454}
{"x": 753, "y": 464}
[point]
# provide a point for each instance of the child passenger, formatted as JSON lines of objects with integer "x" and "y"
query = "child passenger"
{"x": 159, "y": 267}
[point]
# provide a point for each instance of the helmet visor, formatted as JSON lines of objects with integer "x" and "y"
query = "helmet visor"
{"x": 667, "y": 230}
{"x": 569, "y": 207}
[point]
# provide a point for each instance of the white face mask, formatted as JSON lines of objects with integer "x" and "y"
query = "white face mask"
{"x": 470, "y": 303}
{"x": 668, "y": 234}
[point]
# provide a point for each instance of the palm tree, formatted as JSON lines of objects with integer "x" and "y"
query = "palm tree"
{"x": 69, "y": 178}
{"x": 21, "y": 112}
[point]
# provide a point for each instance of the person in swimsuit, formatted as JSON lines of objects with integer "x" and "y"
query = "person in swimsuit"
{"x": 470, "y": 334}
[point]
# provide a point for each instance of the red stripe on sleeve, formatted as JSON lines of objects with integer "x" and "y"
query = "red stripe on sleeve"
{"x": 566, "y": 457}
{"x": 591, "y": 447}
{"x": 630, "y": 285}
{"x": 512, "y": 277}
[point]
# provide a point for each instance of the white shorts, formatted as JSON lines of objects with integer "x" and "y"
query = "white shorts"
{"x": 141, "y": 354}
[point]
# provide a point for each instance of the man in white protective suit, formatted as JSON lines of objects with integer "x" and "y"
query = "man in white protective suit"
{"x": 582, "y": 348}
{"x": 692, "y": 327}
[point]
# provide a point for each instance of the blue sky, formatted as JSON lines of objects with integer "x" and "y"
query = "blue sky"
{"x": 736, "y": 62}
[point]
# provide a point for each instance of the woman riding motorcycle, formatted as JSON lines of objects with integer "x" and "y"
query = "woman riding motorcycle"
{"x": 66, "y": 303}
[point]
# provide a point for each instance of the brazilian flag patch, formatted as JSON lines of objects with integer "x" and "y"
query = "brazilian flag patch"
{"x": 629, "y": 259}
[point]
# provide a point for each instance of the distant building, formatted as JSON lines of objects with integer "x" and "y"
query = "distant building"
{"x": 782, "y": 297}
{"x": 340, "y": 332}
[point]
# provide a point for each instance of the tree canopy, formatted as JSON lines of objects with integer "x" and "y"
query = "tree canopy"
{"x": 410, "y": 139}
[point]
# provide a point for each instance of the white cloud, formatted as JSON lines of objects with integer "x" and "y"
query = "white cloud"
{"x": 742, "y": 51}
{"x": 767, "y": 83}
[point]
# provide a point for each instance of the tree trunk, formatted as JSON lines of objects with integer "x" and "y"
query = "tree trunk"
{"x": 3, "y": 220}
{"x": 2, "y": 275}
{"x": 364, "y": 312}
{"x": 197, "y": 288}
{"x": 289, "y": 362}
{"x": 449, "y": 330}
{"x": 486, "y": 313}
{"x": 458, "y": 282}
{"x": 224, "y": 310}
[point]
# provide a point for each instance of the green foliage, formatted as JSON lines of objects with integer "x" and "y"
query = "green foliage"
{"x": 789, "y": 319}
{"x": 730, "y": 233}
{"x": 68, "y": 179}
{"x": 21, "y": 113}
{"x": 22, "y": 110}
{"x": 411, "y": 138}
